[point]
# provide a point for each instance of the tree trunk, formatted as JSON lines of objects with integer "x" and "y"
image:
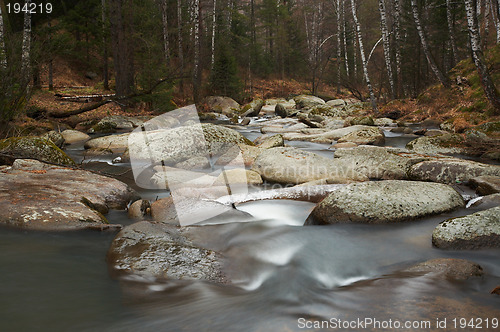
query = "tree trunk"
{"x": 477, "y": 55}
{"x": 397, "y": 33}
{"x": 339, "y": 49}
{"x": 363, "y": 59}
{"x": 105, "y": 69}
{"x": 451, "y": 32}
{"x": 214, "y": 27}
{"x": 496, "y": 19}
{"x": 26, "y": 47}
{"x": 3, "y": 52}
{"x": 180, "y": 42}
{"x": 164, "y": 21}
{"x": 196, "y": 60}
{"x": 443, "y": 79}
{"x": 346, "y": 56}
{"x": 387, "y": 50}
{"x": 122, "y": 47}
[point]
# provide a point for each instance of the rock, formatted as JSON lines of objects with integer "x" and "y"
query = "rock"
{"x": 32, "y": 147}
{"x": 378, "y": 162}
{"x": 475, "y": 231}
{"x": 496, "y": 290}
{"x": 363, "y": 121}
{"x": 96, "y": 152}
{"x": 402, "y": 130}
{"x": 74, "y": 136}
{"x": 385, "y": 202}
{"x": 194, "y": 163}
{"x": 316, "y": 118}
{"x": 325, "y": 110}
{"x": 110, "y": 123}
{"x": 193, "y": 210}
{"x": 91, "y": 75}
{"x": 323, "y": 136}
{"x": 385, "y": 122}
{"x": 493, "y": 155}
{"x": 451, "y": 170}
{"x": 442, "y": 144}
{"x": 248, "y": 153}
{"x": 246, "y": 121}
{"x": 434, "y": 132}
{"x": 252, "y": 109}
{"x": 371, "y": 136}
{"x": 281, "y": 111}
{"x": 452, "y": 268}
{"x": 176, "y": 145}
{"x": 171, "y": 178}
{"x": 163, "y": 251}
{"x": 116, "y": 143}
{"x": 40, "y": 196}
{"x": 485, "y": 185}
{"x": 430, "y": 123}
{"x": 272, "y": 142}
{"x": 224, "y": 105}
{"x": 336, "y": 103}
{"x": 345, "y": 145}
{"x": 487, "y": 202}
{"x": 55, "y": 137}
{"x": 489, "y": 127}
{"x": 238, "y": 176}
{"x": 307, "y": 101}
{"x": 292, "y": 165}
{"x": 139, "y": 209}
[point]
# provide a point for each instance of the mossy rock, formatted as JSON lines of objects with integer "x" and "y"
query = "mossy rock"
{"x": 104, "y": 127}
{"x": 363, "y": 120}
{"x": 32, "y": 148}
{"x": 490, "y": 127}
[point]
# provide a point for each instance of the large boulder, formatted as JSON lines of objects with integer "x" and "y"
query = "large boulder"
{"x": 450, "y": 170}
{"x": 368, "y": 136}
{"x": 116, "y": 143}
{"x": 486, "y": 185}
{"x": 253, "y": 108}
{"x": 441, "y": 144}
{"x": 117, "y": 122}
{"x": 379, "y": 162}
{"x": 32, "y": 147}
{"x": 385, "y": 202}
{"x": 289, "y": 165}
{"x": 307, "y": 101}
{"x": 74, "y": 136}
{"x": 475, "y": 231}
{"x": 55, "y": 137}
{"x": 362, "y": 120}
{"x": 452, "y": 268}
{"x": 218, "y": 104}
{"x": 176, "y": 145}
{"x": 193, "y": 210}
{"x": 163, "y": 251}
{"x": 323, "y": 135}
{"x": 40, "y": 196}
{"x": 273, "y": 141}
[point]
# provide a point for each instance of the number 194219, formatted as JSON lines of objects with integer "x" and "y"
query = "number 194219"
{"x": 29, "y": 8}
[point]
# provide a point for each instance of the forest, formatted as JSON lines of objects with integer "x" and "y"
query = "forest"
{"x": 374, "y": 50}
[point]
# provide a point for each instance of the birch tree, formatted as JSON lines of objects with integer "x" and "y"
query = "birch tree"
{"x": 387, "y": 49}
{"x": 451, "y": 31}
{"x": 496, "y": 19}
{"x": 489, "y": 88}
{"x": 180, "y": 44}
{"x": 104, "y": 46}
{"x": 3, "y": 53}
{"x": 214, "y": 27}
{"x": 196, "y": 60}
{"x": 339, "y": 47}
{"x": 26, "y": 46}
{"x": 164, "y": 21}
{"x": 344, "y": 27}
{"x": 398, "y": 42}
{"x": 425, "y": 46}
{"x": 363, "y": 58}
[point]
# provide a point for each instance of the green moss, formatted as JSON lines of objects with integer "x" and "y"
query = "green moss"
{"x": 105, "y": 127}
{"x": 35, "y": 148}
{"x": 489, "y": 127}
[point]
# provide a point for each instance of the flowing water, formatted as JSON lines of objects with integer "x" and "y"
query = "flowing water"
{"x": 286, "y": 277}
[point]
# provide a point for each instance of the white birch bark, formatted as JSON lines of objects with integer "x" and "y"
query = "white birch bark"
{"x": 425, "y": 46}
{"x": 451, "y": 31}
{"x": 196, "y": 67}
{"x": 363, "y": 59}
{"x": 344, "y": 26}
{"x": 214, "y": 27}
{"x": 387, "y": 49}
{"x": 3, "y": 52}
{"x": 180, "y": 42}
{"x": 397, "y": 36}
{"x": 496, "y": 20}
{"x": 26, "y": 46}
{"x": 339, "y": 46}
